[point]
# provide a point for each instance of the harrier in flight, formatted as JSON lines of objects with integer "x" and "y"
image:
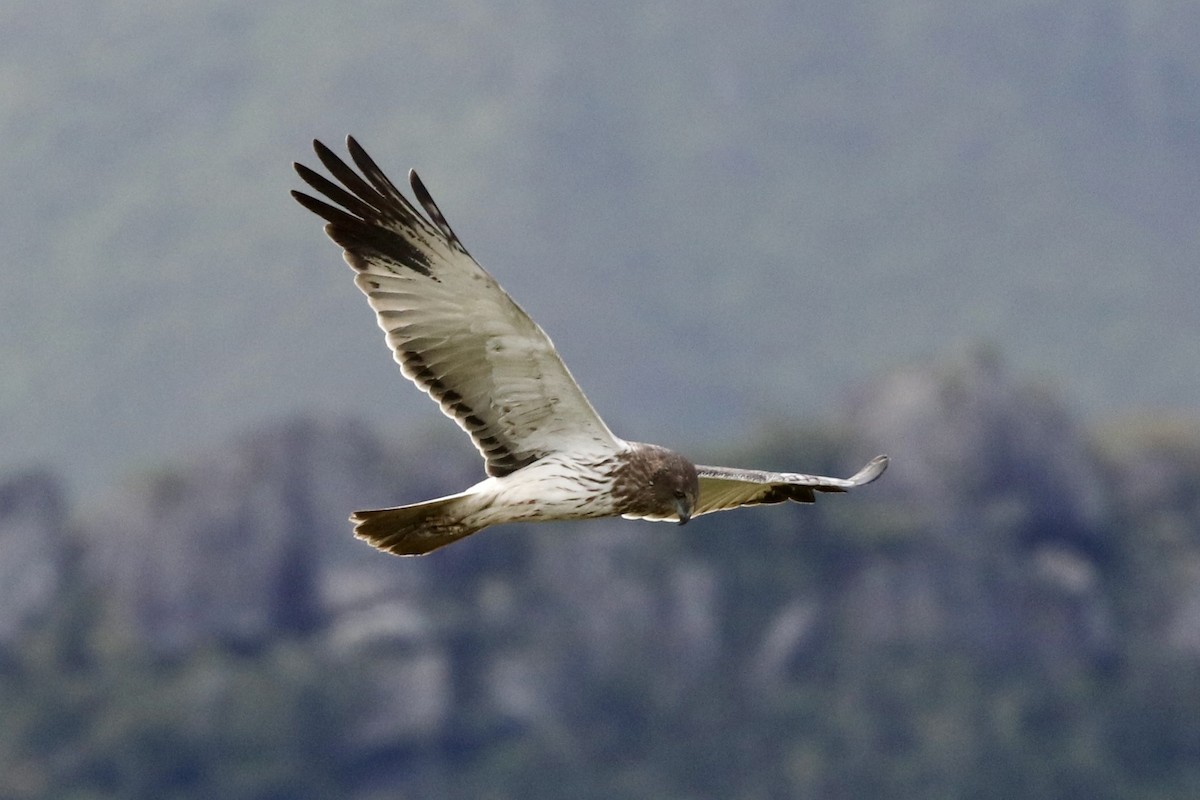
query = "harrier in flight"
{"x": 459, "y": 337}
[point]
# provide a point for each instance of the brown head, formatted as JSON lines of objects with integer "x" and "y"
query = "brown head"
{"x": 655, "y": 482}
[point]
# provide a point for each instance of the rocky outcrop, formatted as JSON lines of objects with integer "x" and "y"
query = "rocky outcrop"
{"x": 992, "y": 534}
{"x": 993, "y": 500}
{"x": 1154, "y": 476}
{"x": 975, "y": 445}
{"x": 250, "y": 541}
{"x": 1000, "y": 507}
{"x": 35, "y": 550}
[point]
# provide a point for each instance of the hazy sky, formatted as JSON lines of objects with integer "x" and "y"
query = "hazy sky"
{"x": 720, "y": 216}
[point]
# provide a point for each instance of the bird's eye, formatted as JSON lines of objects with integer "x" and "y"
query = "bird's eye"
{"x": 679, "y": 494}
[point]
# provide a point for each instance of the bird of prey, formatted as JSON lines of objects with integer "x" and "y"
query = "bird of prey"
{"x": 459, "y": 337}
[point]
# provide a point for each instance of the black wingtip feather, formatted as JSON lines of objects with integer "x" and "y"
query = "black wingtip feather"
{"x": 435, "y": 213}
{"x": 321, "y": 150}
{"x": 324, "y": 210}
{"x": 327, "y": 157}
{"x": 369, "y": 217}
{"x": 371, "y": 196}
{"x": 376, "y": 176}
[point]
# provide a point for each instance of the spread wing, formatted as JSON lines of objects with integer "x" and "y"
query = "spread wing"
{"x": 722, "y": 488}
{"x": 453, "y": 330}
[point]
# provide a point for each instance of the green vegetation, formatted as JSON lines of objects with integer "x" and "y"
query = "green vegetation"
{"x": 86, "y": 712}
{"x": 846, "y": 656}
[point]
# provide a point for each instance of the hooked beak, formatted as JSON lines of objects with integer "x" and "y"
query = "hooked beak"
{"x": 684, "y": 509}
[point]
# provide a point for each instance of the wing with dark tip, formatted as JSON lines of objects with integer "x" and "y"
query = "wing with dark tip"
{"x": 723, "y": 488}
{"x": 452, "y": 329}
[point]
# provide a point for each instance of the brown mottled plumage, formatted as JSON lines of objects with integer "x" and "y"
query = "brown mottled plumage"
{"x": 459, "y": 337}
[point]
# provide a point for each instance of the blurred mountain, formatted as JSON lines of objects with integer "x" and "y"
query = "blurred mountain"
{"x": 35, "y": 549}
{"x": 788, "y": 198}
{"x": 1011, "y": 611}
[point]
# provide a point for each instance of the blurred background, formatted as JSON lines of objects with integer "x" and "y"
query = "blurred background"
{"x": 777, "y": 235}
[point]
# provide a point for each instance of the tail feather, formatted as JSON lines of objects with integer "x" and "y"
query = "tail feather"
{"x": 417, "y": 529}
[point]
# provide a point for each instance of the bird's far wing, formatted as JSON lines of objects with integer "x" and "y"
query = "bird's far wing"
{"x": 723, "y": 488}
{"x": 453, "y": 330}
